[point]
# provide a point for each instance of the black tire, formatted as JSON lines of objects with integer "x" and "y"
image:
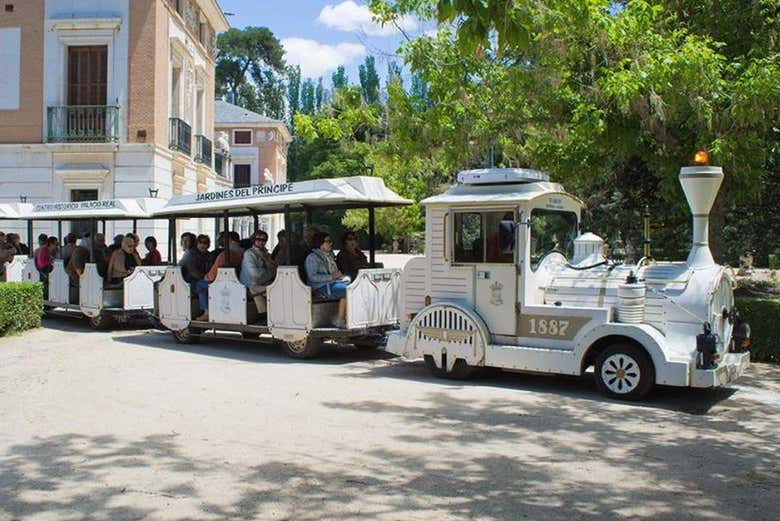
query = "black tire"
{"x": 460, "y": 370}
{"x": 185, "y": 336}
{"x": 101, "y": 322}
{"x": 624, "y": 372}
{"x": 302, "y": 349}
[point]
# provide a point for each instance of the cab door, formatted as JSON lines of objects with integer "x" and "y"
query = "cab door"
{"x": 487, "y": 240}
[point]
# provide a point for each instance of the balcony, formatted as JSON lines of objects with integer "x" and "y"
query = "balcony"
{"x": 83, "y": 124}
{"x": 179, "y": 136}
{"x": 203, "y": 150}
{"x": 220, "y": 163}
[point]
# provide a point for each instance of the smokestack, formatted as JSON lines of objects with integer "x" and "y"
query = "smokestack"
{"x": 701, "y": 184}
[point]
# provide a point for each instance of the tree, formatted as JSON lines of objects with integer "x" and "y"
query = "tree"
{"x": 252, "y": 50}
{"x": 293, "y": 90}
{"x": 319, "y": 96}
{"x": 597, "y": 95}
{"x": 369, "y": 80}
{"x": 308, "y": 97}
{"x": 339, "y": 78}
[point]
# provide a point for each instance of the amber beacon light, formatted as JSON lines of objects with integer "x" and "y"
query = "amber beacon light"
{"x": 701, "y": 158}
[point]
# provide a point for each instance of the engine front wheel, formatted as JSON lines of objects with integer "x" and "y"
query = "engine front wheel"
{"x": 624, "y": 372}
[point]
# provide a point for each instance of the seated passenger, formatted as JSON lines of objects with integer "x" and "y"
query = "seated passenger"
{"x": 236, "y": 257}
{"x": 195, "y": 261}
{"x": 123, "y": 262}
{"x": 67, "y": 248}
{"x": 324, "y": 277}
{"x": 280, "y": 255}
{"x": 116, "y": 245}
{"x": 101, "y": 254}
{"x": 153, "y": 257}
{"x": 44, "y": 259}
{"x": 350, "y": 259}
{"x": 78, "y": 261}
{"x": 258, "y": 269}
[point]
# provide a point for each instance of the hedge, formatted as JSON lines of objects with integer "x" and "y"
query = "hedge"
{"x": 763, "y": 315}
{"x": 21, "y": 306}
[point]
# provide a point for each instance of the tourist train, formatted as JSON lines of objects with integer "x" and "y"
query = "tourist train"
{"x": 508, "y": 281}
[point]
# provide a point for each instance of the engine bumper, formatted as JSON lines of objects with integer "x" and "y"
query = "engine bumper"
{"x": 730, "y": 369}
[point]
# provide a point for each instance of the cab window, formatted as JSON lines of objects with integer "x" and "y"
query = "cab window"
{"x": 484, "y": 237}
{"x": 551, "y": 231}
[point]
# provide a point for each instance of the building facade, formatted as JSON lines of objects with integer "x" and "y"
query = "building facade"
{"x": 104, "y": 99}
{"x": 258, "y": 155}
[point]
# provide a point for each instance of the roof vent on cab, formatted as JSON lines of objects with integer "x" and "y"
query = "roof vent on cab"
{"x": 496, "y": 176}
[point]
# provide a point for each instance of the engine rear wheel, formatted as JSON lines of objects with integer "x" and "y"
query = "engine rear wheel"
{"x": 305, "y": 348}
{"x": 460, "y": 369}
{"x": 624, "y": 372}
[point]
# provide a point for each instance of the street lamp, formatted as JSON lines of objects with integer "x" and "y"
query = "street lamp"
{"x": 23, "y": 198}
{"x": 153, "y": 192}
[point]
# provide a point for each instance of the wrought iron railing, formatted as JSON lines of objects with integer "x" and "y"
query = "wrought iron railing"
{"x": 203, "y": 150}
{"x": 220, "y": 163}
{"x": 83, "y": 124}
{"x": 179, "y": 135}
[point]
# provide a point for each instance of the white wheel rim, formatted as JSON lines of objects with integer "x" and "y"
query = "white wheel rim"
{"x": 620, "y": 373}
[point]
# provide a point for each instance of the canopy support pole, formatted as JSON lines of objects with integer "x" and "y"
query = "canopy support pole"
{"x": 172, "y": 240}
{"x": 103, "y": 223}
{"x": 371, "y": 237}
{"x": 256, "y": 219}
{"x": 92, "y": 226}
{"x": 59, "y": 236}
{"x": 288, "y": 229}
{"x": 226, "y": 238}
{"x": 135, "y": 225}
{"x": 30, "y": 246}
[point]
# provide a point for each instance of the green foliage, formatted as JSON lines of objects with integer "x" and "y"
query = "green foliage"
{"x": 369, "y": 80}
{"x": 252, "y": 50}
{"x": 610, "y": 98}
{"x": 308, "y": 99}
{"x": 761, "y": 314}
{"x": 293, "y": 90}
{"x": 21, "y": 306}
{"x": 339, "y": 78}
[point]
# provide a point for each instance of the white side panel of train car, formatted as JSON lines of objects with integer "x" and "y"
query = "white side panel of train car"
{"x": 227, "y": 298}
{"x": 173, "y": 300}
{"x": 59, "y": 283}
{"x": 372, "y": 299}
{"x": 91, "y": 291}
{"x": 289, "y": 305}
{"x": 138, "y": 291}
{"x": 13, "y": 269}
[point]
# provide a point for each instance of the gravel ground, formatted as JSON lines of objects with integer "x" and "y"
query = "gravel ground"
{"x": 130, "y": 425}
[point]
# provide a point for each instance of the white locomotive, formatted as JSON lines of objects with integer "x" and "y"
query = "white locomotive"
{"x": 507, "y": 281}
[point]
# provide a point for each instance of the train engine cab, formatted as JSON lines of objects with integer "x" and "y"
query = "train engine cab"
{"x": 508, "y": 281}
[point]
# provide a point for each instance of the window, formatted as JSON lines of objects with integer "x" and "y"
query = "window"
{"x": 242, "y": 137}
{"x": 242, "y": 176}
{"x": 552, "y": 231}
{"x": 10, "y": 64}
{"x": 485, "y": 237}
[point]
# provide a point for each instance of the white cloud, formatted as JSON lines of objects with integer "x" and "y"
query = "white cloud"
{"x": 352, "y": 17}
{"x": 317, "y": 58}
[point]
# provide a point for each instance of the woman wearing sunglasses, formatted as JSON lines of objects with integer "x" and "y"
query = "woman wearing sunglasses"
{"x": 324, "y": 276}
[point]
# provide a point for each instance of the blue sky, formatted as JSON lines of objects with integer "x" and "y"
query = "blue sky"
{"x": 319, "y": 35}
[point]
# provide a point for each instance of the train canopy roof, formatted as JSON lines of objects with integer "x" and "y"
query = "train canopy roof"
{"x": 106, "y": 209}
{"x": 9, "y": 210}
{"x": 338, "y": 193}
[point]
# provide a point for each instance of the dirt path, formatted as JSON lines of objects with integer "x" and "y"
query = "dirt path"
{"x": 130, "y": 425}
